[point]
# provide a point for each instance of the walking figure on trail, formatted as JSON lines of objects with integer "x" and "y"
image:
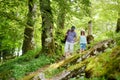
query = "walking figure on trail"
{"x": 66, "y": 35}
{"x": 70, "y": 39}
{"x": 83, "y": 41}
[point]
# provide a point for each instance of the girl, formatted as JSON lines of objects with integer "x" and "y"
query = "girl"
{"x": 83, "y": 41}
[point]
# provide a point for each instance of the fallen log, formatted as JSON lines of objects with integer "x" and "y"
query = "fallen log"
{"x": 80, "y": 63}
{"x": 71, "y": 71}
{"x": 98, "y": 48}
{"x": 79, "y": 68}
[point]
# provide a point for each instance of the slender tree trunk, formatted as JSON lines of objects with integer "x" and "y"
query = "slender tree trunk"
{"x": 90, "y": 27}
{"x": 118, "y": 24}
{"x": 61, "y": 15}
{"x": 1, "y": 56}
{"x": 47, "y": 27}
{"x": 60, "y": 25}
{"x": 90, "y": 36}
{"x": 28, "y": 43}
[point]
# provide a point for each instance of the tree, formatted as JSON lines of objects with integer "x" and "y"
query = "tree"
{"x": 61, "y": 14}
{"x": 118, "y": 20}
{"x": 89, "y": 36}
{"x": 11, "y": 27}
{"x": 87, "y": 5}
{"x": 47, "y": 27}
{"x": 28, "y": 43}
{"x": 118, "y": 24}
{"x": 60, "y": 21}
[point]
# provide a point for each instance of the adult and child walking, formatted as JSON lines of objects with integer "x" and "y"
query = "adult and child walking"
{"x": 71, "y": 38}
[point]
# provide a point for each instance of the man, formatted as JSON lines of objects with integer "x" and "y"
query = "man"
{"x": 69, "y": 44}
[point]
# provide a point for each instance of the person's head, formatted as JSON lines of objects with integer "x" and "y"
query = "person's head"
{"x": 82, "y": 32}
{"x": 72, "y": 28}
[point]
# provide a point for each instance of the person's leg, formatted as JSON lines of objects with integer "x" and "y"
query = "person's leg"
{"x": 81, "y": 47}
{"x": 66, "y": 49}
{"x": 71, "y": 47}
{"x": 84, "y": 46}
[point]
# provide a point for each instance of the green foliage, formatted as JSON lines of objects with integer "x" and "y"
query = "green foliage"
{"x": 11, "y": 26}
{"x": 97, "y": 64}
{"x": 52, "y": 73}
{"x": 23, "y": 65}
{"x": 13, "y": 13}
{"x": 83, "y": 78}
{"x": 113, "y": 66}
{"x": 105, "y": 65}
{"x": 115, "y": 36}
{"x": 96, "y": 78}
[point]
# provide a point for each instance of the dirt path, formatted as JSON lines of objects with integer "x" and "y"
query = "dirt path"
{"x": 32, "y": 74}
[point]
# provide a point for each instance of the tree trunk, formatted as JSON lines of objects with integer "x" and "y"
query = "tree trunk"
{"x": 89, "y": 11}
{"x": 61, "y": 14}
{"x": 118, "y": 25}
{"x": 90, "y": 27}
{"x": 28, "y": 43}
{"x": 60, "y": 26}
{"x": 118, "y": 22}
{"x": 47, "y": 27}
{"x": 89, "y": 36}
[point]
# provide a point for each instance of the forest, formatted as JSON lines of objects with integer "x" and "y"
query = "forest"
{"x": 32, "y": 39}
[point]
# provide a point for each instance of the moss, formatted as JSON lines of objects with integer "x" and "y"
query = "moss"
{"x": 113, "y": 67}
{"x": 96, "y": 66}
{"x": 79, "y": 65}
{"x": 51, "y": 73}
{"x": 106, "y": 64}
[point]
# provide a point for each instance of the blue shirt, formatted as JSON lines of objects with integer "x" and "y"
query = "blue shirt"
{"x": 83, "y": 39}
{"x": 70, "y": 37}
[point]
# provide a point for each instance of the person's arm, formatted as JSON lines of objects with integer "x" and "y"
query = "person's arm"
{"x": 86, "y": 40}
{"x": 75, "y": 38}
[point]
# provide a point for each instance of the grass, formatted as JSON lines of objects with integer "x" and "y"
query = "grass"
{"x": 51, "y": 73}
{"x": 23, "y": 65}
{"x": 83, "y": 78}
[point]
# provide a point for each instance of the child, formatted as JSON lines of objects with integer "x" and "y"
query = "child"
{"x": 83, "y": 41}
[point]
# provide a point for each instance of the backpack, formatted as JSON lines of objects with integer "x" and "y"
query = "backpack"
{"x": 65, "y": 37}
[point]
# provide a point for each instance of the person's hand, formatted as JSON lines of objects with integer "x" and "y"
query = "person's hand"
{"x": 75, "y": 39}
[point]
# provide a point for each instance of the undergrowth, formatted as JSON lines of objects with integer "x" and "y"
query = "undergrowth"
{"x": 51, "y": 73}
{"x": 23, "y": 65}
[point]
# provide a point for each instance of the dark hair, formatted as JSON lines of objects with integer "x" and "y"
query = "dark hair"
{"x": 73, "y": 27}
{"x": 82, "y": 32}
{"x": 68, "y": 31}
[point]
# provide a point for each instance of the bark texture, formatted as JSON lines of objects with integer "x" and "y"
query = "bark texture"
{"x": 48, "y": 45}
{"x": 28, "y": 43}
{"x": 89, "y": 36}
{"x": 60, "y": 25}
{"x": 118, "y": 25}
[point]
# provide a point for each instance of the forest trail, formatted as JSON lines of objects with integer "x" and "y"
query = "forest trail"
{"x": 32, "y": 74}
{"x": 81, "y": 58}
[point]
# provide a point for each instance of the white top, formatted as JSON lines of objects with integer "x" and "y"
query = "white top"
{"x": 83, "y": 39}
